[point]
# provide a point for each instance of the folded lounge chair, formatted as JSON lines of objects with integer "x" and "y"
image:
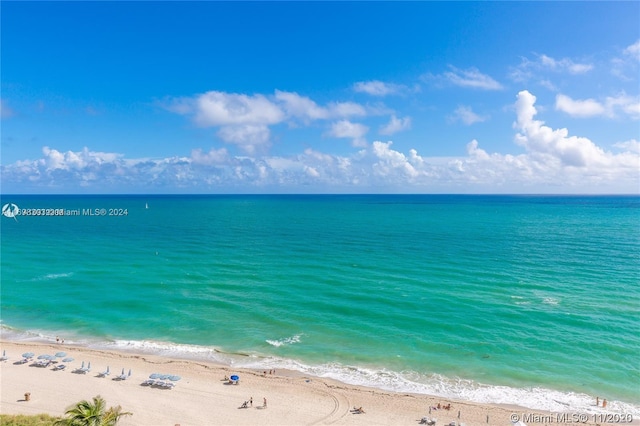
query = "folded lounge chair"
{"x": 123, "y": 376}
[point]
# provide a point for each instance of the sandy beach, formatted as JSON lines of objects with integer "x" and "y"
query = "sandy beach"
{"x": 203, "y": 397}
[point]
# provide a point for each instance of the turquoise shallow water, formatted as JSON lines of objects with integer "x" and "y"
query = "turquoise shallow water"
{"x": 530, "y": 300}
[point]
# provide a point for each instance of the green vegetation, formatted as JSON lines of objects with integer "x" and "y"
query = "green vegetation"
{"x": 94, "y": 413}
{"x": 22, "y": 420}
{"x": 84, "y": 413}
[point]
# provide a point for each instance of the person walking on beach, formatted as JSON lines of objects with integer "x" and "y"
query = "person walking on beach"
{"x": 264, "y": 404}
{"x": 251, "y": 401}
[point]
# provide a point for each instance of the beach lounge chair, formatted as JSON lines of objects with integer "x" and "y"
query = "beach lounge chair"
{"x": 79, "y": 369}
{"x": 4, "y": 356}
{"x": 60, "y": 367}
{"x": 122, "y": 375}
{"x": 87, "y": 368}
{"x": 105, "y": 373}
{"x": 428, "y": 421}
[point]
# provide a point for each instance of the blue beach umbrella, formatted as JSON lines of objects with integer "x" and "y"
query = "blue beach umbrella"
{"x": 61, "y": 354}
{"x": 174, "y": 378}
{"x": 45, "y": 356}
{"x": 234, "y": 378}
{"x": 155, "y": 376}
{"x": 67, "y": 359}
{"x": 28, "y": 355}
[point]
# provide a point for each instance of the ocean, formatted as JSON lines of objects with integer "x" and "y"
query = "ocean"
{"x": 528, "y": 300}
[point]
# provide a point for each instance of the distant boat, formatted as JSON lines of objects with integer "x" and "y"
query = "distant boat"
{"x": 146, "y": 205}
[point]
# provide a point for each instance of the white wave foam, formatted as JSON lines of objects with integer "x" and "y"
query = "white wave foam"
{"x": 168, "y": 349}
{"x": 14, "y": 334}
{"x": 48, "y": 277}
{"x": 405, "y": 381}
{"x": 460, "y": 389}
{"x": 550, "y": 301}
{"x": 519, "y": 300}
{"x": 286, "y": 341}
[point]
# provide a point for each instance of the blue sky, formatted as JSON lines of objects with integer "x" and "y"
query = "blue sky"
{"x": 329, "y": 97}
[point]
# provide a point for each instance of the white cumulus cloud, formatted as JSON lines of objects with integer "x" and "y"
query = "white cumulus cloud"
{"x": 579, "y": 108}
{"x": 395, "y": 125}
{"x": 546, "y": 144}
{"x": 633, "y": 51}
{"x": 466, "y": 115}
{"x": 378, "y": 88}
{"x": 541, "y": 65}
{"x": 472, "y": 78}
{"x": 347, "y": 129}
{"x": 625, "y": 64}
{"x": 301, "y": 106}
{"x": 632, "y": 145}
{"x": 612, "y": 106}
{"x": 219, "y": 108}
{"x": 249, "y": 137}
{"x": 245, "y": 120}
{"x": 552, "y": 161}
{"x": 564, "y": 64}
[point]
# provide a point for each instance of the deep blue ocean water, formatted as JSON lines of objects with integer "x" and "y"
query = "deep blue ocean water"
{"x": 533, "y": 300}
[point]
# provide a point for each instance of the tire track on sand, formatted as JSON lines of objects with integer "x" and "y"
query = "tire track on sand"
{"x": 340, "y": 409}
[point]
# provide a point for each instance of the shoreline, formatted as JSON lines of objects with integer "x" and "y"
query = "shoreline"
{"x": 202, "y": 397}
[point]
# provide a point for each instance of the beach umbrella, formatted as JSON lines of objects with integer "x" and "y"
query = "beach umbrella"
{"x": 174, "y": 378}
{"x": 61, "y": 354}
{"x": 45, "y": 356}
{"x": 155, "y": 376}
{"x": 234, "y": 378}
{"x": 67, "y": 359}
{"x": 28, "y": 355}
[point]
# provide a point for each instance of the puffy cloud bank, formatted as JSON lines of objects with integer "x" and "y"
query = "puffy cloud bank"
{"x": 552, "y": 161}
{"x": 244, "y": 120}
